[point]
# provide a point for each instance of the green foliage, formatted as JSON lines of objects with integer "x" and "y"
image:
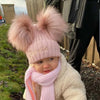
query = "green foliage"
{"x": 13, "y": 65}
{"x": 4, "y": 95}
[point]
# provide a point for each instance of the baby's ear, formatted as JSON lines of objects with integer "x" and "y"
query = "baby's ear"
{"x": 21, "y": 32}
{"x": 52, "y": 21}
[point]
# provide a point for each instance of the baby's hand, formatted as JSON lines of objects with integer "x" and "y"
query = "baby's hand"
{"x": 37, "y": 90}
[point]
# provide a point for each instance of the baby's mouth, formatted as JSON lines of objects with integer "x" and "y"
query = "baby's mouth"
{"x": 47, "y": 71}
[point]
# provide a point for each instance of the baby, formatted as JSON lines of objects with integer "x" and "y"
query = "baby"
{"x": 49, "y": 76}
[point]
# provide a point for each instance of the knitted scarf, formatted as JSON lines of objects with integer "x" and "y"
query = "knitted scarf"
{"x": 45, "y": 80}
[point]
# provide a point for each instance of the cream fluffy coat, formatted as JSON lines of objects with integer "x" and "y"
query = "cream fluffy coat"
{"x": 68, "y": 85}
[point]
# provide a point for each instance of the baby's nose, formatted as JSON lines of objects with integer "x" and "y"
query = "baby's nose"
{"x": 46, "y": 65}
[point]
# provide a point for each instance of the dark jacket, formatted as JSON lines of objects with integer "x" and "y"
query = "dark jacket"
{"x": 72, "y": 12}
{"x": 55, "y": 3}
{"x": 76, "y": 10}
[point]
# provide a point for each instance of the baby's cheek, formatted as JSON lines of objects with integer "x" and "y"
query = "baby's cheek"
{"x": 39, "y": 69}
{"x": 55, "y": 64}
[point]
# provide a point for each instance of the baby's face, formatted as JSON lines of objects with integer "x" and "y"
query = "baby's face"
{"x": 46, "y": 65}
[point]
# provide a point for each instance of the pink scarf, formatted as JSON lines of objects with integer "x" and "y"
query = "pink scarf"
{"x": 46, "y": 81}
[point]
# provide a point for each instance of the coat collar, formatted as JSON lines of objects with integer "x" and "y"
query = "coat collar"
{"x": 63, "y": 66}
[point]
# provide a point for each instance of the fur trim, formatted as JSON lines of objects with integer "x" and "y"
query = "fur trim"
{"x": 20, "y": 34}
{"x": 53, "y": 22}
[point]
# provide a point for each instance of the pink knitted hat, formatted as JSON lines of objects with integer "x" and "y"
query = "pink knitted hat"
{"x": 38, "y": 40}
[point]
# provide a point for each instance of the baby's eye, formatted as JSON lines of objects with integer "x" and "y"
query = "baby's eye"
{"x": 40, "y": 62}
{"x": 51, "y": 59}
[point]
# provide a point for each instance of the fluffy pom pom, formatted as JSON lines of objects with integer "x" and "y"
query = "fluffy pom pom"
{"x": 51, "y": 20}
{"x": 20, "y": 34}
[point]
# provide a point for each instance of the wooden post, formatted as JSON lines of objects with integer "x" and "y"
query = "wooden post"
{"x": 9, "y": 12}
{"x": 0, "y": 12}
{"x": 34, "y": 7}
{"x": 93, "y": 52}
{"x": 64, "y": 42}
